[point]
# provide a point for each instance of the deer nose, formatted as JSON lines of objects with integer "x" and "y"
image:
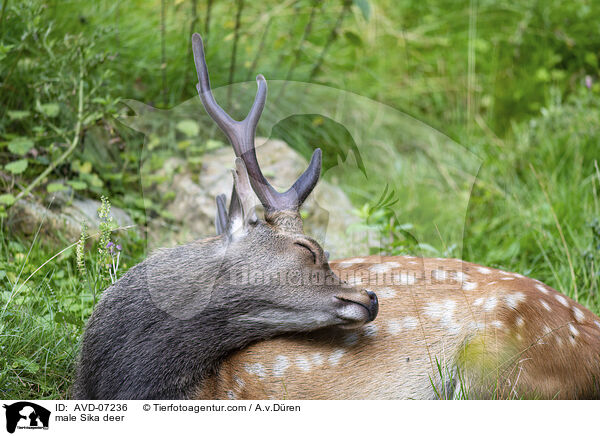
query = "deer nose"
{"x": 374, "y": 306}
{"x": 362, "y": 298}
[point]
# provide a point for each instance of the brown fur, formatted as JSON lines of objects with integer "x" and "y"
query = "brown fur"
{"x": 434, "y": 339}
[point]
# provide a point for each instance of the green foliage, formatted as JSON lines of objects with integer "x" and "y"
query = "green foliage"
{"x": 516, "y": 82}
{"x": 7, "y": 199}
{"x": 393, "y": 237}
{"x": 107, "y": 225}
{"x": 45, "y": 299}
{"x": 39, "y": 76}
{"x": 80, "y": 249}
{"x": 20, "y": 146}
{"x": 16, "y": 167}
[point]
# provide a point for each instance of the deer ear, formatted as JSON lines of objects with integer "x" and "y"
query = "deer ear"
{"x": 221, "y": 216}
{"x": 241, "y": 208}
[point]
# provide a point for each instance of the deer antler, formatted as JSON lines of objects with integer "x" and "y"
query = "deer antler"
{"x": 241, "y": 135}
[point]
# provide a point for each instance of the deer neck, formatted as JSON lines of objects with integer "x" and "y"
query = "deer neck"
{"x": 206, "y": 318}
{"x": 207, "y": 341}
{"x": 182, "y": 320}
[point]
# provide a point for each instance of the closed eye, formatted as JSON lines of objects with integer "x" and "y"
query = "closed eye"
{"x": 307, "y": 247}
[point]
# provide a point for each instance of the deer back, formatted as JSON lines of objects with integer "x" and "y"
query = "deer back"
{"x": 446, "y": 328}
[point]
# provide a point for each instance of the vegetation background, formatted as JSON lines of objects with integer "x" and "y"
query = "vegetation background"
{"x": 516, "y": 82}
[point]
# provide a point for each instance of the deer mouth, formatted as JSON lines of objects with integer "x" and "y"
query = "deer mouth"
{"x": 358, "y": 312}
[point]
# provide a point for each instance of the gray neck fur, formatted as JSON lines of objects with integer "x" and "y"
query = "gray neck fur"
{"x": 151, "y": 336}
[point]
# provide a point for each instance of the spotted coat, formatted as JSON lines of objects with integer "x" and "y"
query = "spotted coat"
{"x": 446, "y": 328}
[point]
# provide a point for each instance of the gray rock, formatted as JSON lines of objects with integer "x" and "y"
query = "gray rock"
{"x": 63, "y": 218}
{"x": 327, "y": 211}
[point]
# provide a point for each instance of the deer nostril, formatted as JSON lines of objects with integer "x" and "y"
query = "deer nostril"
{"x": 374, "y": 307}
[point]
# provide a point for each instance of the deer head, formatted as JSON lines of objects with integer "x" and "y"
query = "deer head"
{"x": 167, "y": 323}
{"x": 281, "y": 232}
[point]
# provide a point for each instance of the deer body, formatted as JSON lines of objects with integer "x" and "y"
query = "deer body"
{"x": 446, "y": 328}
{"x": 164, "y": 327}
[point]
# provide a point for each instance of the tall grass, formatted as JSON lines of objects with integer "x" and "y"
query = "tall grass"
{"x": 514, "y": 83}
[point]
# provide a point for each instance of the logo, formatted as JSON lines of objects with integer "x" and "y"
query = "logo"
{"x": 26, "y": 415}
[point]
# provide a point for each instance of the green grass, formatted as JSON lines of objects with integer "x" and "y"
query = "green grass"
{"x": 44, "y": 303}
{"x": 501, "y": 167}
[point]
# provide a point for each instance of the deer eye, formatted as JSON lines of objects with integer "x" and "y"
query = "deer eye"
{"x": 309, "y": 248}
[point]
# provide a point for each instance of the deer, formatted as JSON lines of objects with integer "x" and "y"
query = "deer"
{"x": 166, "y": 325}
{"x": 446, "y": 329}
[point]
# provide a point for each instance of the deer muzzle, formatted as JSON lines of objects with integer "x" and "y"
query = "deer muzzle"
{"x": 357, "y": 308}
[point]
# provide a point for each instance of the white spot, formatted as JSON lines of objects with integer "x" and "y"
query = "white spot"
{"x": 335, "y": 357}
{"x": 303, "y": 363}
{"x": 541, "y": 288}
{"x": 519, "y": 321}
{"x": 490, "y": 304}
{"x": 439, "y": 274}
{"x": 350, "y": 339}
{"x": 410, "y": 322}
{"x": 348, "y": 263}
{"x": 394, "y": 326}
{"x": 281, "y": 364}
{"x": 579, "y": 316}
{"x": 409, "y": 257}
{"x": 504, "y": 272}
{"x": 483, "y": 270}
{"x": 386, "y": 293}
{"x": 562, "y": 300}
{"x": 317, "y": 359}
{"x": 573, "y": 330}
{"x": 469, "y": 286}
{"x": 513, "y": 300}
{"x": 380, "y": 268}
{"x": 519, "y": 337}
{"x": 546, "y": 305}
{"x": 231, "y": 395}
{"x": 547, "y": 330}
{"x": 558, "y": 340}
{"x": 477, "y": 325}
{"x": 256, "y": 369}
{"x": 460, "y": 276}
{"x": 412, "y": 262}
{"x": 478, "y": 302}
{"x": 497, "y": 324}
{"x": 520, "y": 276}
{"x": 507, "y": 278}
{"x": 491, "y": 283}
{"x": 405, "y": 278}
{"x": 370, "y": 330}
{"x": 444, "y": 312}
{"x": 355, "y": 280}
{"x": 239, "y": 381}
{"x": 597, "y": 324}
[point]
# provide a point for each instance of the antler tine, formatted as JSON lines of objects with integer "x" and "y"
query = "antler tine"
{"x": 216, "y": 112}
{"x": 241, "y": 135}
{"x": 309, "y": 178}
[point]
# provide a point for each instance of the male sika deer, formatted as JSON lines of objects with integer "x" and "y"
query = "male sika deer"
{"x": 168, "y": 322}
{"x": 446, "y": 329}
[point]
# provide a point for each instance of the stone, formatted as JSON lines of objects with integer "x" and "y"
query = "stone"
{"x": 63, "y": 218}
{"x": 327, "y": 211}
